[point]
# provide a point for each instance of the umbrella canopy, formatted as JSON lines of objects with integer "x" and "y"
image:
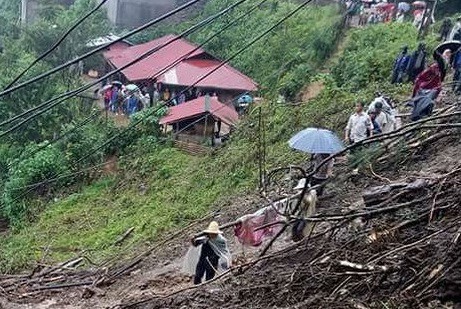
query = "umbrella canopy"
{"x": 453, "y": 46}
{"x": 245, "y": 99}
{"x": 313, "y": 140}
{"x": 131, "y": 87}
{"x": 419, "y": 4}
{"x": 403, "y": 6}
{"x": 106, "y": 87}
{"x": 116, "y": 82}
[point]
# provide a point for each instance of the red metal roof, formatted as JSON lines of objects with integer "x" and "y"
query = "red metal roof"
{"x": 186, "y": 73}
{"x": 197, "y": 107}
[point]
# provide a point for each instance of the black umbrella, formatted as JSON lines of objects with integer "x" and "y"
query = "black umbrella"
{"x": 453, "y": 46}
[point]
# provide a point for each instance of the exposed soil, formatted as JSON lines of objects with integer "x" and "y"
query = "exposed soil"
{"x": 311, "y": 91}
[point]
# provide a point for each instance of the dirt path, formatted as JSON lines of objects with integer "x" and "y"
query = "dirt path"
{"x": 313, "y": 89}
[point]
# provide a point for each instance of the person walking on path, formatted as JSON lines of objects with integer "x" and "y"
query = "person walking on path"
{"x": 455, "y": 34}
{"x": 213, "y": 248}
{"x": 457, "y": 75}
{"x": 358, "y": 128}
{"x": 445, "y": 29}
{"x": 429, "y": 79}
{"x": 417, "y": 62}
{"x": 324, "y": 172}
{"x": 381, "y": 118}
{"x": 400, "y": 66}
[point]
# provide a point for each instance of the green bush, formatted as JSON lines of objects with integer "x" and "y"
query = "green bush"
{"x": 43, "y": 165}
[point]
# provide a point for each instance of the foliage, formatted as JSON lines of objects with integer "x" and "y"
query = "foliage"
{"x": 448, "y": 7}
{"x": 159, "y": 187}
{"x": 42, "y": 165}
{"x": 22, "y": 45}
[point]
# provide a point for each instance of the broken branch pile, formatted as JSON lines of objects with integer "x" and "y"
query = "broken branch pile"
{"x": 405, "y": 255}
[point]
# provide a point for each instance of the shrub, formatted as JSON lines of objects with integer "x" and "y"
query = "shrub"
{"x": 43, "y": 165}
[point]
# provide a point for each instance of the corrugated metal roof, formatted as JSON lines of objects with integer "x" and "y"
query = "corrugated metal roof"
{"x": 196, "y": 108}
{"x": 186, "y": 73}
{"x": 103, "y": 40}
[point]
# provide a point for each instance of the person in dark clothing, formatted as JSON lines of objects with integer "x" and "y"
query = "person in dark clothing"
{"x": 457, "y": 75}
{"x": 417, "y": 62}
{"x": 214, "y": 247}
{"x": 207, "y": 264}
{"x": 400, "y": 66}
{"x": 445, "y": 29}
{"x": 324, "y": 172}
{"x": 376, "y": 127}
{"x": 423, "y": 104}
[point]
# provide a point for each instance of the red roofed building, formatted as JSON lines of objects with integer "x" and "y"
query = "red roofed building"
{"x": 200, "y": 119}
{"x": 192, "y": 65}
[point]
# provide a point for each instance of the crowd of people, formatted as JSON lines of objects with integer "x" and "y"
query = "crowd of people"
{"x": 371, "y": 12}
{"x": 128, "y": 99}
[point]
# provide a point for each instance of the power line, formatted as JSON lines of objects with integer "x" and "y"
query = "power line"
{"x": 55, "y": 45}
{"x": 63, "y": 97}
{"x": 98, "y": 49}
{"x": 252, "y": 42}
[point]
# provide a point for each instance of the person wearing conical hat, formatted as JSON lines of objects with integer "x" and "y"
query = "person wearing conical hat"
{"x": 213, "y": 249}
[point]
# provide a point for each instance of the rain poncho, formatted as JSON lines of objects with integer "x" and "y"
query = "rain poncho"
{"x": 219, "y": 246}
{"x": 422, "y": 104}
{"x": 245, "y": 229}
{"x": 388, "y": 111}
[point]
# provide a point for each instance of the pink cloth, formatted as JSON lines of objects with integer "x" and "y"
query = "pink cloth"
{"x": 245, "y": 229}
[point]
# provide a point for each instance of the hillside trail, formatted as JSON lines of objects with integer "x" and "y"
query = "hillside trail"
{"x": 311, "y": 90}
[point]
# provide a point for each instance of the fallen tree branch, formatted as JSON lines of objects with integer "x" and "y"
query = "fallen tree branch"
{"x": 124, "y": 236}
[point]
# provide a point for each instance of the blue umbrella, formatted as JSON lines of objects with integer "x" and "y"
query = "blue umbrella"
{"x": 404, "y": 6}
{"x": 313, "y": 140}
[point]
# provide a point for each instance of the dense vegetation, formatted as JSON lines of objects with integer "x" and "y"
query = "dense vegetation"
{"x": 24, "y": 156}
{"x": 158, "y": 187}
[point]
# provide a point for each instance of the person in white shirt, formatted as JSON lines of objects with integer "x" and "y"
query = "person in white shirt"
{"x": 359, "y": 126}
{"x": 385, "y": 111}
